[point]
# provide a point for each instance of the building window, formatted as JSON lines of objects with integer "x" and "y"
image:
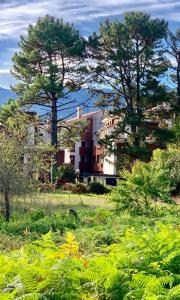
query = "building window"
{"x": 88, "y": 159}
{"x": 89, "y": 144}
{"x": 72, "y": 158}
{"x": 82, "y": 158}
{"x": 97, "y": 159}
{"x": 83, "y": 144}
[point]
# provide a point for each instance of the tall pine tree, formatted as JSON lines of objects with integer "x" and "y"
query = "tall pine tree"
{"x": 173, "y": 41}
{"x": 49, "y": 66}
{"x": 129, "y": 63}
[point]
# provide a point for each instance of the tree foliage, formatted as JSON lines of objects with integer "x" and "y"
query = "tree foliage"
{"x": 50, "y": 66}
{"x": 19, "y": 160}
{"x": 9, "y": 110}
{"x": 173, "y": 41}
{"x": 130, "y": 62}
{"x": 149, "y": 182}
{"x": 67, "y": 172}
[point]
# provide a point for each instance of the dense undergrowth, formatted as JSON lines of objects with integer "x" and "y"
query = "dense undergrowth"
{"x": 101, "y": 256}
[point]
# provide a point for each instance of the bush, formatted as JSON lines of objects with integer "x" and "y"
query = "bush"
{"x": 97, "y": 188}
{"x": 67, "y": 172}
{"x": 79, "y": 188}
{"x": 148, "y": 182}
{"x": 168, "y": 162}
{"x": 36, "y": 215}
{"x": 46, "y": 187}
{"x": 67, "y": 187}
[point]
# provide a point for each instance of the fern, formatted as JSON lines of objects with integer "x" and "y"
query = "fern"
{"x": 174, "y": 293}
{"x": 140, "y": 266}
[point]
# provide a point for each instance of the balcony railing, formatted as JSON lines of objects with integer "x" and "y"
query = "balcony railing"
{"x": 84, "y": 151}
{"x": 85, "y": 166}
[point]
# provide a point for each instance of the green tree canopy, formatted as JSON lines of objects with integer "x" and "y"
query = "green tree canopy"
{"x": 49, "y": 66}
{"x": 173, "y": 41}
{"x": 130, "y": 62}
{"x": 19, "y": 160}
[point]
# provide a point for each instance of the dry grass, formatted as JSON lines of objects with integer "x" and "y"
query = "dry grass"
{"x": 52, "y": 201}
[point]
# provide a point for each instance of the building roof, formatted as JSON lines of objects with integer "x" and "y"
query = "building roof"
{"x": 83, "y": 116}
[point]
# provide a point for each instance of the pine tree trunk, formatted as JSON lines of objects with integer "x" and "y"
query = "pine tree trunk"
{"x": 136, "y": 138}
{"x": 7, "y": 205}
{"x": 178, "y": 82}
{"x": 54, "y": 139}
{"x": 138, "y": 109}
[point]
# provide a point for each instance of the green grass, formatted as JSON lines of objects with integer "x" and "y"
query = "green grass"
{"x": 98, "y": 222}
{"x": 56, "y": 200}
{"x": 107, "y": 256}
{"x": 118, "y": 253}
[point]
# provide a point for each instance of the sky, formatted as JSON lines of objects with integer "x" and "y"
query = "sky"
{"x": 16, "y": 15}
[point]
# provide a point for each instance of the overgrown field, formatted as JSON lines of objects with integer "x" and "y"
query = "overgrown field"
{"x": 48, "y": 253}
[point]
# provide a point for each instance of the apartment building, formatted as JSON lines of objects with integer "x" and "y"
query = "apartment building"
{"x": 89, "y": 158}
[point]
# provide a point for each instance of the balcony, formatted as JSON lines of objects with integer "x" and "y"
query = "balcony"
{"x": 84, "y": 151}
{"x": 98, "y": 150}
{"x": 85, "y": 166}
{"x": 98, "y": 167}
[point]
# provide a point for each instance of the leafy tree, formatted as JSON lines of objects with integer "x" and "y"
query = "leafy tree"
{"x": 149, "y": 182}
{"x": 50, "y": 66}
{"x": 9, "y": 110}
{"x": 69, "y": 132}
{"x": 168, "y": 162}
{"x": 67, "y": 172}
{"x": 19, "y": 160}
{"x": 176, "y": 130}
{"x": 129, "y": 61}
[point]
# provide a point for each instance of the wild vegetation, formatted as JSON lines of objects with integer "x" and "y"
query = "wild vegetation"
{"x": 148, "y": 183}
{"x": 90, "y": 241}
{"x": 101, "y": 255}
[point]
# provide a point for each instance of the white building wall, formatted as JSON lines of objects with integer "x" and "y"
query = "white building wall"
{"x": 67, "y": 154}
{"x": 77, "y": 155}
{"x": 97, "y": 125}
{"x": 109, "y": 165}
{"x": 110, "y": 159}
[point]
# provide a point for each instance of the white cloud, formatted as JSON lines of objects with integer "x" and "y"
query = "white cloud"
{"x": 5, "y": 71}
{"x": 17, "y": 14}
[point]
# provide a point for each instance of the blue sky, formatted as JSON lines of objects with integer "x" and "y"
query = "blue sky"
{"x": 16, "y": 15}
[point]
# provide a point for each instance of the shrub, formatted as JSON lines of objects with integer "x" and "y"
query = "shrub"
{"x": 97, "y": 188}
{"x": 46, "y": 187}
{"x": 36, "y": 215}
{"x": 67, "y": 187}
{"x": 79, "y": 188}
{"x": 149, "y": 182}
{"x": 67, "y": 172}
{"x": 168, "y": 162}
